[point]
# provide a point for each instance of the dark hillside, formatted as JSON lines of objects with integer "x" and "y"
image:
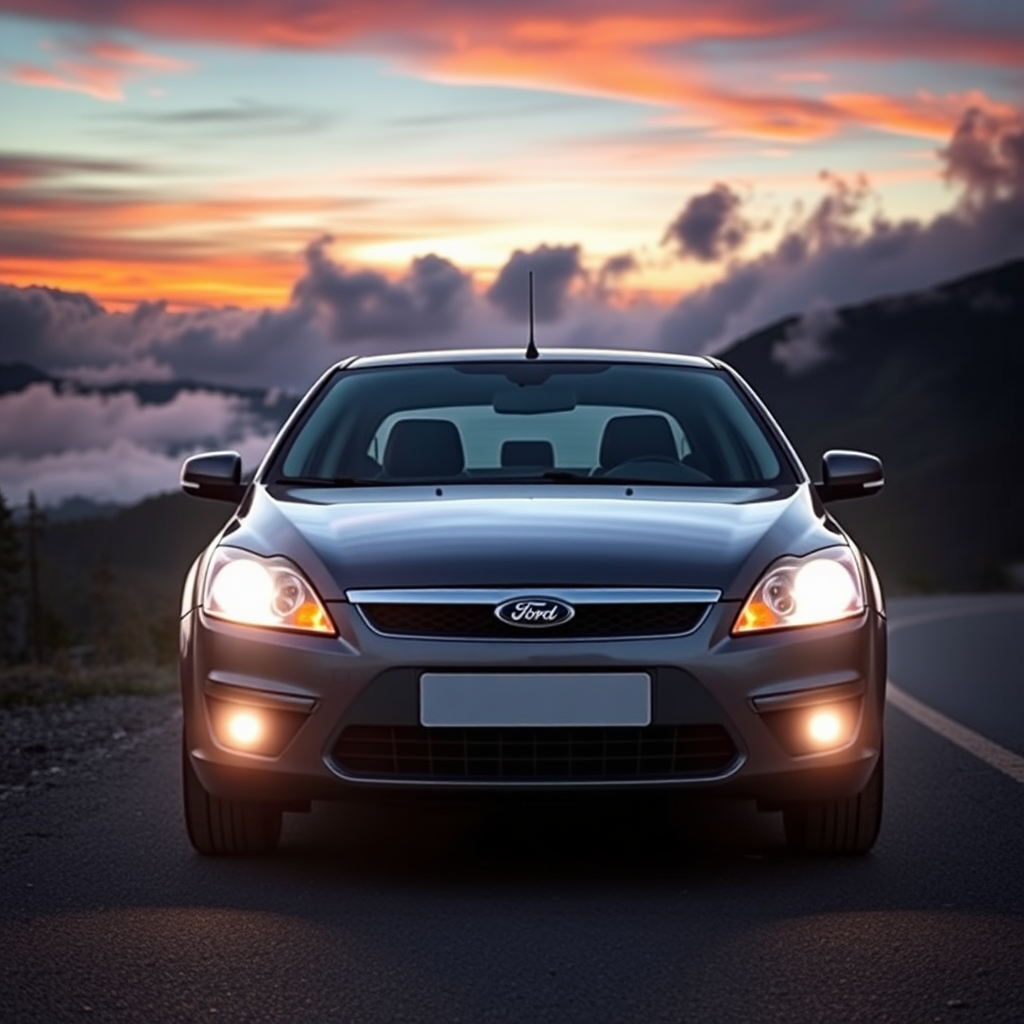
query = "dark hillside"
{"x": 934, "y": 384}
{"x": 122, "y": 574}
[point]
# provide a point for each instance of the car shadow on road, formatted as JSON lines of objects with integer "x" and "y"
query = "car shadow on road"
{"x": 512, "y": 840}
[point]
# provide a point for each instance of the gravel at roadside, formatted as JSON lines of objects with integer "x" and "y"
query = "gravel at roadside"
{"x": 41, "y": 745}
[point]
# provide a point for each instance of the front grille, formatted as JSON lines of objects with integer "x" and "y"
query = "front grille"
{"x": 478, "y": 622}
{"x": 537, "y": 754}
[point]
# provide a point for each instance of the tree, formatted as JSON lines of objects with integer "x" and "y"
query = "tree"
{"x": 11, "y": 563}
{"x": 34, "y": 526}
{"x": 103, "y": 610}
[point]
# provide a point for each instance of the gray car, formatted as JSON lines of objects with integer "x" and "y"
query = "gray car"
{"x": 581, "y": 571}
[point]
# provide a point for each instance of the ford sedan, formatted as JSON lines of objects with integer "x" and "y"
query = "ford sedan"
{"x": 485, "y": 572}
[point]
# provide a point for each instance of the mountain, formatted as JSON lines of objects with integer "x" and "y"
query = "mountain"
{"x": 933, "y": 383}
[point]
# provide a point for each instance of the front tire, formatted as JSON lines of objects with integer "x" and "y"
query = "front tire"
{"x": 218, "y": 826}
{"x": 847, "y": 827}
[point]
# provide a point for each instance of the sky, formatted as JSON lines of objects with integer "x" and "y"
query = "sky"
{"x": 243, "y": 194}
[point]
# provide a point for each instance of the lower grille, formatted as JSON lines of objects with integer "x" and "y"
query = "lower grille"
{"x": 548, "y": 754}
{"x": 478, "y": 621}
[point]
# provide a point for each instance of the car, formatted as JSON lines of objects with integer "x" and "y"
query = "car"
{"x": 565, "y": 572}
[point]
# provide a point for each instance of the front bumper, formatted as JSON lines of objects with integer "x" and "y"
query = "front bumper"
{"x": 317, "y": 687}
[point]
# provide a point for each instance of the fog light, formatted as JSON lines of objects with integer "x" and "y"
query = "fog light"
{"x": 814, "y": 728}
{"x": 824, "y": 727}
{"x": 244, "y": 729}
{"x": 251, "y": 729}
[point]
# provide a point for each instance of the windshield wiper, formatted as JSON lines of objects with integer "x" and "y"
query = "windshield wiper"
{"x": 327, "y": 481}
{"x": 566, "y": 476}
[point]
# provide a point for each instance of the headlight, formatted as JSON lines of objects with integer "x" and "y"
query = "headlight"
{"x": 244, "y": 588}
{"x": 823, "y": 587}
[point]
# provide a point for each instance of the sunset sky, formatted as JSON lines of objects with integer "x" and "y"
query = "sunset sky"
{"x": 244, "y": 193}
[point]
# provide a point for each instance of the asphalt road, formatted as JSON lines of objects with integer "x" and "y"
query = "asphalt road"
{"x": 547, "y": 914}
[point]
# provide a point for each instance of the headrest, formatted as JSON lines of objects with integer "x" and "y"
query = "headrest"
{"x": 632, "y": 437}
{"x": 424, "y": 448}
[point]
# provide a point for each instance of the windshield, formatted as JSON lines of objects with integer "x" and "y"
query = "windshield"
{"x": 562, "y": 422}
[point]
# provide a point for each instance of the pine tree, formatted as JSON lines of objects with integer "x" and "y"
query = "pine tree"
{"x": 34, "y": 527}
{"x": 11, "y": 563}
{"x": 103, "y": 610}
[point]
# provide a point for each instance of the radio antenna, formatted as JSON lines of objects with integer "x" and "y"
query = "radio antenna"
{"x": 531, "y": 348}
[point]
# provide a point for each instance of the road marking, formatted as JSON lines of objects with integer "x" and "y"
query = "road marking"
{"x": 992, "y": 754}
{"x": 984, "y": 749}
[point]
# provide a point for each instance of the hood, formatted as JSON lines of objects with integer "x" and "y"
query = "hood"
{"x": 473, "y": 537}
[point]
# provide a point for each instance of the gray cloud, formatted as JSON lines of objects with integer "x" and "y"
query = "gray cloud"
{"x": 83, "y": 421}
{"x": 844, "y": 250}
{"x": 431, "y": 298}
{"x": 711, "y": 226}
{"x": 331, "y": 310}
{"x": 986, "y": 155}
{"x": 243, "y": 118}
{"x": 555, "y": 269}
{"x": 124, "y": 471}
{"x": 34, "y": 166}
{"x": 806, "y": 342}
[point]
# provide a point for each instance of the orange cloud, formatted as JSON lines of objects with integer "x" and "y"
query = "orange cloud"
{"x": 98, "y": 69}
{"x": 100, "y": 83}
{"x": 123, "y": 283}
{"x": 923, "y": 115}
{"x": 645, "y": 56}
{"x": 131, "y": 56}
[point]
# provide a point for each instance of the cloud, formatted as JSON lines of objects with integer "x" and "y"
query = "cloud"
{"x": 839, "y": 249}
{"x": 18, "y": 169}
{"x": 123, "y": 472}
{"x": 114, "y": 446}
{"x": 845, "y": 250}
{"x": 555, "y": 270}
{"x": 99, "y": 69}
{"x": 239, "y": 119}
{"x": 986, "y": 156}
{"x": 612, "y": 272}
{"x": 658, "y": 54}
{"x": 80, "y": 421}
{"x": 364, "y": 304}
{"x": 806, "y": 342}
{"x": 710, "y": 227}
{"x": 331, "y": 310}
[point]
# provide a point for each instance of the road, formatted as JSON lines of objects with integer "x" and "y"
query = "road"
{"x": 543, "y": 914}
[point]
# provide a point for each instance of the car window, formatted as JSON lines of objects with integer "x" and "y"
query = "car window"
{"x": 497, "y": 421}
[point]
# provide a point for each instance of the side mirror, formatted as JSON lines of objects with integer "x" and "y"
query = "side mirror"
{"x": 849, "y": 475}
{"x": 215, "y": 475}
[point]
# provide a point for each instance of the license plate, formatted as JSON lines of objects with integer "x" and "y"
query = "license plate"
{"x": 535, "y": 699}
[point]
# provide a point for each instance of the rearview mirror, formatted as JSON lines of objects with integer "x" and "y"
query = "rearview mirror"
{"x": 848, "y": 474}
{"x": 215, "y": 475}
{"x": 530, "y": 401}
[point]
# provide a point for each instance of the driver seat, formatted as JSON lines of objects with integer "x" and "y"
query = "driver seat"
{"x": 634, "y": 437}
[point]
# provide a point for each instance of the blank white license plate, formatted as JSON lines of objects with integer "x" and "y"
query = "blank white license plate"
{"x": 532, "y": 699}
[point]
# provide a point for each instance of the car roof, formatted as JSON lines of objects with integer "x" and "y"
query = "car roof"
{"x": 493, "y": 355}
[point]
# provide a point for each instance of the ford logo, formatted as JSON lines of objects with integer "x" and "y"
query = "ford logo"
{"x": 534, "y": 612}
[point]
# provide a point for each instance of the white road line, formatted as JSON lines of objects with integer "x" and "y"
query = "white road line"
{"x": 984, "y": 749}
{"x": 992, "y": 754}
